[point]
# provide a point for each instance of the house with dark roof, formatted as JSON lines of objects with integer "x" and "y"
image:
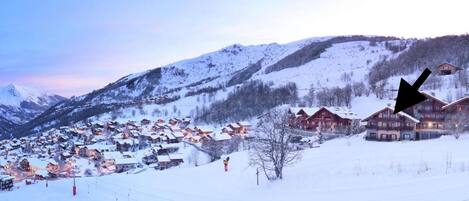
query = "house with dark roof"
{"x": 448, "y": 69}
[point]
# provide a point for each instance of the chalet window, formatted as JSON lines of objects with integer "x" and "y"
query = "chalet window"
{"x": 380, "y": 124}
{"x": 380, "y": 115}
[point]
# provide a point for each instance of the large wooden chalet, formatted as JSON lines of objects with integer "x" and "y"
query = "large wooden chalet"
{"x": 384, "y": 125}
{"x": 324, "y": 119}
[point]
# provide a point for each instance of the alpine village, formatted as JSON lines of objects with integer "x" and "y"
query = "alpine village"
{"x": 101, "y": 148}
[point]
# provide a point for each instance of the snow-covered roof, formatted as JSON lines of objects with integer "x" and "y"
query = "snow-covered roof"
{"x": 434, "y": 98}
{"x": 37, "y": 162}
{"x": 42, "y": 172}
{"x": 101, "y": 146}
{"x": 112, "y": 155}
{"x": 228, "y": 128}
{"x": 205, "y": 128}
{"x": 124, "y": 161}
{"x": 342, "y": 112}
{"x": 178, "y": 134}
{"x": 221, "y": 136}
{"x": 163, "y": 158}
{"x": 456, "y": 102}
{"x": 235, "y": 125}
{"x": 244, "y": 123}
{"x": 392, "y": 110}
{"x": 176, "y": 156}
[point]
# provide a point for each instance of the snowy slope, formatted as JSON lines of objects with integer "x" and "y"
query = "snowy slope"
{"x": 341, "y": 169}
{"x": 183, "y": 87}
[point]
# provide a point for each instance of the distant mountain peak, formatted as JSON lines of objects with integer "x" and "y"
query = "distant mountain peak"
{"x": 14, "y": 94}
{"x": 19, "y": 104}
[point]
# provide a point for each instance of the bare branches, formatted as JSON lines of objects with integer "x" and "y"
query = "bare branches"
{"x": 271, "y": 148}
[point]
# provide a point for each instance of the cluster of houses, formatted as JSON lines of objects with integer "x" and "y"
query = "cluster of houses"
{"x": 431, "y": 118}
{"x": 323, "y": 119}
{"x": 109, "y": 147}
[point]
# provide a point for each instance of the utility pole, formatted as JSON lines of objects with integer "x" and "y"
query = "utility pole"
{"x": 74, "y": 188}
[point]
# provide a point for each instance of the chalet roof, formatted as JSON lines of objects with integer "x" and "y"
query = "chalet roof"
{"x": 456, "y": 102}
{"x": 399, "y": 113}
{"x": 176, "y": 156}
{"x": 124, "y": 161}
{"x": 342, "y": 112}
{"x": 163, "y": 158}
{"x": 205, "y": 128}
{"x": 35, "y": 162}
{"x": 221, "y": 136}
{"x": 178, "y": 134}
{"x": 235, "y": 125}
{"x": 448, "y": 64}
{"x": 101, "y": 146}
{"x": 434, "y": 98}
{"x": 308, "y": 110}
{"x": 228, "y": 128}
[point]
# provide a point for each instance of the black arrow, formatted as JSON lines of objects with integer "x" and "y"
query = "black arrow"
{"x": 409, "y": 95}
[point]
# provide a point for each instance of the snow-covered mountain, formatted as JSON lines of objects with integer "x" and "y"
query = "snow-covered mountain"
{"x": 186, "y": 87}
{"x": 19, "y": 104}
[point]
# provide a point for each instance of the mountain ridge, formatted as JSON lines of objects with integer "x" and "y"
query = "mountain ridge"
{"x": 347, "y": 59}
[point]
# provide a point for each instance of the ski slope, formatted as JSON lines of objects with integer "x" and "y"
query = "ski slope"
{"x": 341, "y": 169}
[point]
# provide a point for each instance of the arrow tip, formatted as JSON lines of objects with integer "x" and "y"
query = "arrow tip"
{"x": 407, "y": 96}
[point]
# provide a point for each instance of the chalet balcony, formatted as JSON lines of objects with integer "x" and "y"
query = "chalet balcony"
{"x": 400, "y": 128}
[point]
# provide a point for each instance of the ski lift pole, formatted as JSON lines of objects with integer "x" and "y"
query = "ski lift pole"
{"x": 74, "y": 188}
{"x": 257, "y": 175}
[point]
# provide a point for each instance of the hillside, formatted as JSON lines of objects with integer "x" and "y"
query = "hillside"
{"x": 213, "y": 81}
{"x": 341, "y": 169}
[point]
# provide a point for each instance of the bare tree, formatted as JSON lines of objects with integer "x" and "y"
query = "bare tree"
{"x": 271, "y": 146}
{"x": 455, "y": 123}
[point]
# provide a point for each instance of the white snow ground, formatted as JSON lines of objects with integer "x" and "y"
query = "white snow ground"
{"x": 341, "y": 169}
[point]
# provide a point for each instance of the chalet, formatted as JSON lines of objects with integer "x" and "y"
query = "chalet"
{"x": 386, "y": 126}
{"x": 174, "y": 121}
{"x": 126, "y": 144}
{"x": 431, "y": 117}
{"x": 145, "y": 122}
{"x": 298, "y": 116}
{"x": 176, "y": 159}
{"x": 24, "y": 165}
{"x": 41, "y": 174}
{"x": 52, "y": 167}
{"x": 125, "y": 164}
{"x": 95, "y": 150}
{"x": 235, "y": 127}
{"x": 203, "y": 130}
{"x": 448, "y": 69}
{"x": 164, "y": 162}
{"x": 245, "y": 126}
{"x": 228, "y": 130}
{"x": 222, "y": 138}
{"x": 165, "y": 149}
{"x": 331, "y": 119}
{"x": 457, "y": 114}
{"x": 6, "y": 182}
{"x": 179, "y": 135}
